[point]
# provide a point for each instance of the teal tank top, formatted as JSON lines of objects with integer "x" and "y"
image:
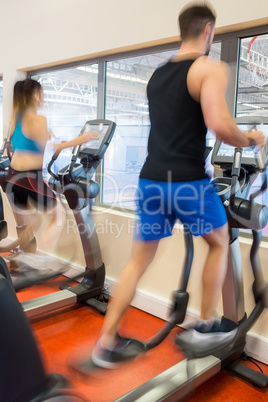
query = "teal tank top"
{"x": 23, "y": 144}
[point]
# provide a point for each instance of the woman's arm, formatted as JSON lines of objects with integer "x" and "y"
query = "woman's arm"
{"x": 81, "y": 139}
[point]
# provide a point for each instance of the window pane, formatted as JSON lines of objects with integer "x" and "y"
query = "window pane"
{"x": 1, "y": 105}
{"x": 70, "y": 99}
{"x": 126, "y": 104}
{"x": 252, "y": 98}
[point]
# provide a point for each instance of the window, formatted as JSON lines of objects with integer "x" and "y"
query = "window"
{"x": 126, "y": 104}
{"x": 116, "y": 89}
{"x": 70, "y": 96}
{"x": 252, "y": 91}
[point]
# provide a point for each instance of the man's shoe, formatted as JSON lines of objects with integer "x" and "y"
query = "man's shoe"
{"x": 125, "y": 349}
{"x": 200, "y": 344}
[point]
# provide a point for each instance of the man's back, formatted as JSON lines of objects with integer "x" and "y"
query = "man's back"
{"x": 177, "y": 138}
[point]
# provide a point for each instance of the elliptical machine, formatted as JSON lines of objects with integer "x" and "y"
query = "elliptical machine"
{"x": 22, "y": 375}
{"x": 75, "y": 182}
{"x": 205, "y": 359}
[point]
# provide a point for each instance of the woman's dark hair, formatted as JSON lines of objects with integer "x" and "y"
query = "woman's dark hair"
{"x": 193, "y": 19}
{"x": 18, "y": 97}
{"x": 23, "y": 94}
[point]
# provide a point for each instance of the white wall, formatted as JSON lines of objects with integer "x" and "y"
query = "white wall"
{"x": 35, "y": 33}
{"x": 39, "y": 32}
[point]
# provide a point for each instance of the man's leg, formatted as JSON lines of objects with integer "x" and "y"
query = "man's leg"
{"x": 203, "y": 212}
{"x": 207, "y": 330}
{"x": 142, "y": 255}
{"x": 214, "y": 270}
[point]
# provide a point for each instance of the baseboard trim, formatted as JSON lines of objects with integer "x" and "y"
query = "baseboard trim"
{"x": 256, "y": 345}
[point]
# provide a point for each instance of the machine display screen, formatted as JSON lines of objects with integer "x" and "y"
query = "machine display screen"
{"x": 250, "y": 152}
{"x": 94, "y": 144}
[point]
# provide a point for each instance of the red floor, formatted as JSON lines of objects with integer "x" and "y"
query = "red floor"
{"x": 70, "y": 336}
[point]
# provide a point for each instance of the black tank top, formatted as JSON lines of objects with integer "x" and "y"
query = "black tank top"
{"x": 177, "y": 138}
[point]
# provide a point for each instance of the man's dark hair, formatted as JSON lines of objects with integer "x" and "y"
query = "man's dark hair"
{"x": 193, "y": 19}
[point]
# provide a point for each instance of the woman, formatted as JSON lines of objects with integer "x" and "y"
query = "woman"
{"x": 29, "y": 137}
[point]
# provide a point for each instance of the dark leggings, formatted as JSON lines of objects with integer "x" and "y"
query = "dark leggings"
{"x": 27, "y": 185}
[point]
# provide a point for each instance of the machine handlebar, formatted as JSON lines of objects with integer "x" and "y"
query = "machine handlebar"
{"x": 244, "y": 213}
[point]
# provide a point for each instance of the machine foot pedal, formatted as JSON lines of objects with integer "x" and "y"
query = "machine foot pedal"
{"x": 97, "y": 305}
{"x": 133, "y": 349}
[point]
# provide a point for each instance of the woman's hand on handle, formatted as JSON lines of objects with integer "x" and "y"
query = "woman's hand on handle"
{"x": 58, "y": 148}
{"x": 81, "y": 139}
{"x": 91, "y": 135}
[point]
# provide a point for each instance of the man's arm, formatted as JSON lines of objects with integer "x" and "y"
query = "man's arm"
{"x": 215, "y": 111}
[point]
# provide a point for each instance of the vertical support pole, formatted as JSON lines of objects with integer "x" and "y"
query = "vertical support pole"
{"x": 89, "y": 237}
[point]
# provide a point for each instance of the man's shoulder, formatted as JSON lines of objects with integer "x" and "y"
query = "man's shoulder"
{"x": 204, "y": 70}
{"x": 207, "y": 66}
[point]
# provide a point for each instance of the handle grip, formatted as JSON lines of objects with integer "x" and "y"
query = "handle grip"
{"x": 237, "y": 162}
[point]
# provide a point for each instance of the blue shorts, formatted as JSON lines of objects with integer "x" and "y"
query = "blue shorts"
{"x": 196, "y": 204}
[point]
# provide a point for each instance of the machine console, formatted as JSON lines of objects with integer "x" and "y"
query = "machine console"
{"x": 96, "y": 148}
{"x": 253, "y": 159}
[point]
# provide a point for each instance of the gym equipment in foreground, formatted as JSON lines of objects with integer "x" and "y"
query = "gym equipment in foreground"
{"x": 22, "y": 374}
{"x": 241, "y": 168}
{"x": 74, "y": 181}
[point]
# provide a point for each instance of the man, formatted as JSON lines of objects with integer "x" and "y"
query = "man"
{"x": 186, "y": 96}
